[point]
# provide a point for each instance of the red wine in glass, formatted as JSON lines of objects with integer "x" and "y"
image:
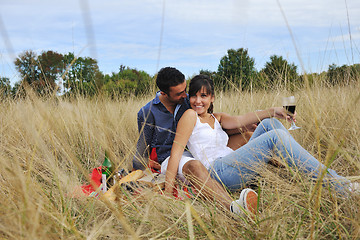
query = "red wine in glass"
{"x": 289, "y": 104}
{"x": 290, "y": 108}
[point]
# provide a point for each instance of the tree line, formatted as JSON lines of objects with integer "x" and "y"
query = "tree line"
{"x": 237, "y": 70}
{"x": 52, "y": 72}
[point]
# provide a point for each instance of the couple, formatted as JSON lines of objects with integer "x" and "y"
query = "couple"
{"x": 198, "y": 151}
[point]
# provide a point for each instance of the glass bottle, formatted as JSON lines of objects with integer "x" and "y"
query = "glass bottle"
{"x": 106, "y": 170}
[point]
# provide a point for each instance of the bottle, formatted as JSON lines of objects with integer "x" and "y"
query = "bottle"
{"x": 106, "y": 170}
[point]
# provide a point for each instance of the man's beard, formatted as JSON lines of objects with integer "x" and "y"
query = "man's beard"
{"x": 181, "y": 101}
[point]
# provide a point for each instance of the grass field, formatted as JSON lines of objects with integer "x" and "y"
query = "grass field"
{"x": 48, "y": 148}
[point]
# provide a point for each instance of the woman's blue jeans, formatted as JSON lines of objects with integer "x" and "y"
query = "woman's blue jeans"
{"x": 270, "y": 138}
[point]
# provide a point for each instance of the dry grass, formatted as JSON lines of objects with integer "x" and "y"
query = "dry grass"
{"x": 49, "y": 147}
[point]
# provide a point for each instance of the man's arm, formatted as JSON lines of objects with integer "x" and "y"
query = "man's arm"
{"x": 239, "y": 136}
{"x": 248, "y": 128}
{"x": 146, "y": 129}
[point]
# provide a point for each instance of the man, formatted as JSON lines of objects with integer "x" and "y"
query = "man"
{"x": 157, "y": 122}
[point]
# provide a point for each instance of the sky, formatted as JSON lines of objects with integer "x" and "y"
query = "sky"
{"x": 187, "y": 34}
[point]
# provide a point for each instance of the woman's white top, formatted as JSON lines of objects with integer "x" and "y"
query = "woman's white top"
{"x": 207, "y": 144}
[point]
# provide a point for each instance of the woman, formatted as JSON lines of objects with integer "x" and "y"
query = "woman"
{"x": 202, "y": 132}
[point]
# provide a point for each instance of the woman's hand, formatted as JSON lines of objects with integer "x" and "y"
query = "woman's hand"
{"x": 169, "y": 189}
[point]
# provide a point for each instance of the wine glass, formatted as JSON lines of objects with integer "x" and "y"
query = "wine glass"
{"x": 289, "y": 104}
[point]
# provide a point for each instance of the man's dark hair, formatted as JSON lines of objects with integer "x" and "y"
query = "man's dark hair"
{"x": 169, "y": 77}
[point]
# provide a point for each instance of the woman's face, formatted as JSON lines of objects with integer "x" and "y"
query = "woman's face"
{"x": 201, "y": 101}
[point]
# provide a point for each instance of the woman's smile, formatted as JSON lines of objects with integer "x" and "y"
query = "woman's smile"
{"x": 201, "y": 101}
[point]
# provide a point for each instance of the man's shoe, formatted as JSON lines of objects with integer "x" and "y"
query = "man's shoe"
{"x": 246, "y": 203}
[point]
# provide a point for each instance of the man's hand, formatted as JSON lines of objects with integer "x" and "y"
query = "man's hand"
{"x": 281, "y": 112}
{"x": 154, "y": 165}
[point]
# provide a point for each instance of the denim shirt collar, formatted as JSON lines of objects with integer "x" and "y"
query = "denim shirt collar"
{"x": 157, "y": 99}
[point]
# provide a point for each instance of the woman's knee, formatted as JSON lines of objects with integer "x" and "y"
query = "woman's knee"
{"x": 192, "y": 167}
{"x": 195, "y": 172}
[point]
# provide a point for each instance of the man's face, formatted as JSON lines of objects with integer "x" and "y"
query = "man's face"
{"x": 177, "y": 93}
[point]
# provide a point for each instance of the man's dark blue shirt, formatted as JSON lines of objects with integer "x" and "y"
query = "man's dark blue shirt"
{"x": 157, "y": 128}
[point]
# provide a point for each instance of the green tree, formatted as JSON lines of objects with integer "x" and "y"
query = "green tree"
{"x": 27, "y": 66}
{"x": 5, "y": 87}
{"x": 82, "y": 75}
{"x": 236, "y": 68}
{"x": 314, "y": 79}
{"x": 127, "y": 81}
{"x": 209, "y": 73}
{"x": 355, "y": 72}
{"x": 343, "y": 75}
{"x": 18, "y": 90}
{"x": 278, "y": 72}
{"x": 51, "y": 66}
{"x": 40, "y": 72}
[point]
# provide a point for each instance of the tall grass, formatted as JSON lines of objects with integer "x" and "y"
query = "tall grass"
{"x": 48, "y": 148}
